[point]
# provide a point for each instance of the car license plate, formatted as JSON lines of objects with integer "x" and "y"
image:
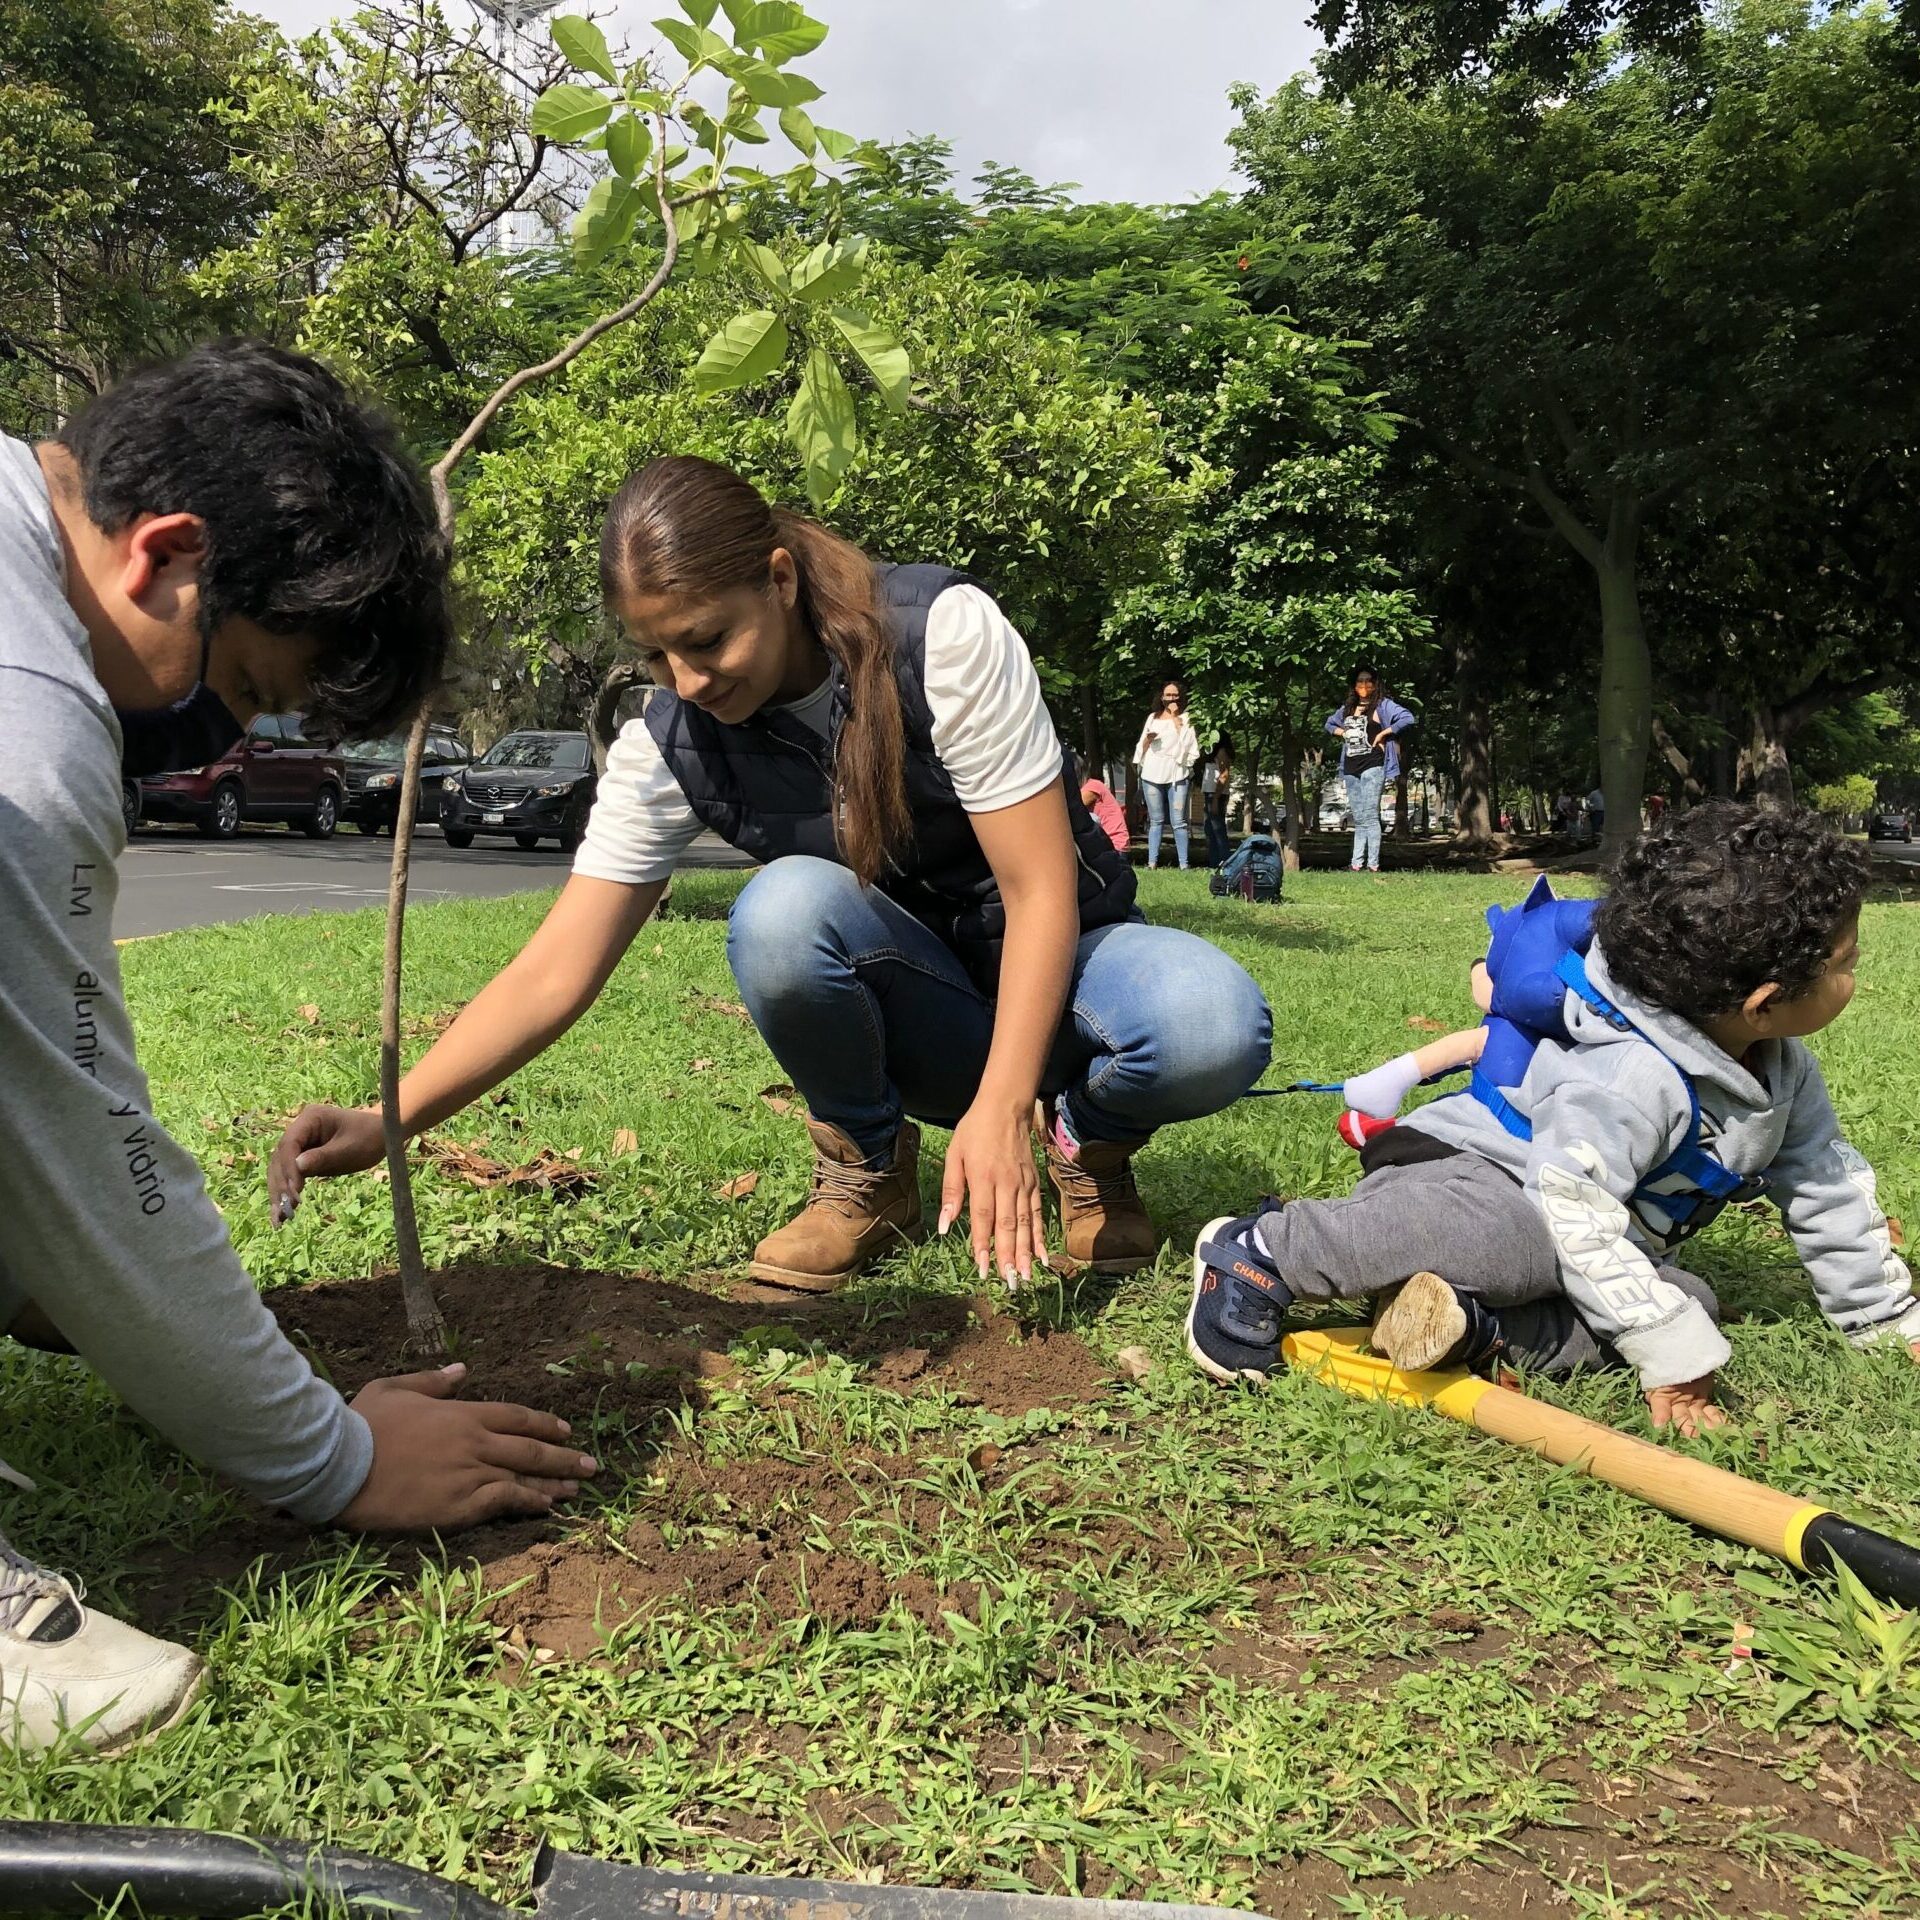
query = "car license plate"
{"x": 493, "y": 819}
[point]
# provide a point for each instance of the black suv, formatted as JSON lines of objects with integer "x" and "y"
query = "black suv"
{"x": 373, "y": 777}
{"x": 1890, "y": 823}
{"x": 534, "y": 786}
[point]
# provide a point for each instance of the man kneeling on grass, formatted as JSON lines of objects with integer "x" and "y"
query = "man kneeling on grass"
{"x": 1540, "y": 1222}
{"x": 228, "y": 535}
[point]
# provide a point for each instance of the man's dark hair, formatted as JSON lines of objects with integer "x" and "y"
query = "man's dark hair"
{"x": 1717, "y": 901}
{"x": 319, "y": 522}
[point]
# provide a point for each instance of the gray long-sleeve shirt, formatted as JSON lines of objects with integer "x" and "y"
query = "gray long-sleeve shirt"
{"x": 104, "y": 1220}
{"x": 1608, "y": 1109}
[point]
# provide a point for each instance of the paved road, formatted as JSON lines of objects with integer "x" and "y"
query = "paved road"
{"x": 170, "y": 877}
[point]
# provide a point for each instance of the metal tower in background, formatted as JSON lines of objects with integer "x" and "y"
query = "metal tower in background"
{"x": 514, "y": 48}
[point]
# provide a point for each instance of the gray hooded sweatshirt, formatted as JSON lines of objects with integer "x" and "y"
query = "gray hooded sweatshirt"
{"x": 1610, "y": 1107}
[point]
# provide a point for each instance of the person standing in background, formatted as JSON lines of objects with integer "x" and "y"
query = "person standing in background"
{"x": 1216, "y": 781}
{"x": 1367, "y": 726}
{"x": 1165, "y": 755}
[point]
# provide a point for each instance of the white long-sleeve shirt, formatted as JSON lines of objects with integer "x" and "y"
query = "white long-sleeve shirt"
{"x": 1167, "y": 750}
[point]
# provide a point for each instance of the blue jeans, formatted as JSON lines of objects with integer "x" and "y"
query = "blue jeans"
{"x": 1166, "y": 800}
{"x": 1363, "y": 802}
{"x": 1219, "y": 841}
{"x": 873, "y": 1017}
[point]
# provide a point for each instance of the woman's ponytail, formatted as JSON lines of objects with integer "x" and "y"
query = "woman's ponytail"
{"x": 684, "y": 525}
{"x": 840, "y": 600}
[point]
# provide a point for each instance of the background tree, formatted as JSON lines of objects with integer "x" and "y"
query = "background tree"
{"x": 1555, "y": 288}
{"x": 117, "y": 187}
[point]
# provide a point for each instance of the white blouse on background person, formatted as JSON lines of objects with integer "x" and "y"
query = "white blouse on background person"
{"x": 1167, "y": 750}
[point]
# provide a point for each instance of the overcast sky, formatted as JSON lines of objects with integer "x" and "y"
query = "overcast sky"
{"x": 1128, "y": 97}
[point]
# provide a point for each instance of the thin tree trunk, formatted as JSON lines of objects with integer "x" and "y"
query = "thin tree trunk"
{"x": 1402, "y": 808}
{"x": 1473, "y": 826}
{"x": 1092, "y": 747}
{"x": 1290, "y": 787}
{"x": 1626, "y": 695}
{"x": 424, "y": 1323}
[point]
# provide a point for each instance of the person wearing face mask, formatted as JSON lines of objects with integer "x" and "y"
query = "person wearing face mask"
{"x": 228, "y": 534}
{"x": 1165, "y": 755}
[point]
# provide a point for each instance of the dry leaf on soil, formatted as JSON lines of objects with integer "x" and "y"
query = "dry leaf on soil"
{"x": 779, "y": 1097}
{"x": 557, "y": 1173}
{"x": 625, "y": 1140}
{"x": 701, "y": 1066}
{"x": 309, "y": 1013}
{"x": 1135, "y": 1362}
{"x": 1421, "y": 1024}
{"x": 737, "y": 1189}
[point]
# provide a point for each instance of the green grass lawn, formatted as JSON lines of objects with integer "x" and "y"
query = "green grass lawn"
{"x": 1274, "y": 1649}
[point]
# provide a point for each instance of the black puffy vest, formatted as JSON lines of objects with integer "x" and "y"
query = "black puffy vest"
{"x": 766, "y": 787}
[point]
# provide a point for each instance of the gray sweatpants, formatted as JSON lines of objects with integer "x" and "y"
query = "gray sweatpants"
{"x": 1459, "y": 1217}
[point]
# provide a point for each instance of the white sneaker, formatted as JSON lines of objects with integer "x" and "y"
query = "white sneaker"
{"x": 65, "y": 1668}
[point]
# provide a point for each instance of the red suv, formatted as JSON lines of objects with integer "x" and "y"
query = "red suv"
{"x": 273, "y": 773}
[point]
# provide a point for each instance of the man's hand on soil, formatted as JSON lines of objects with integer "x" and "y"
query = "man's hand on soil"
{"x": 446, "y": 1463}
{"x": 1688, "y": 1408}
{"x": 320, "y": 1141}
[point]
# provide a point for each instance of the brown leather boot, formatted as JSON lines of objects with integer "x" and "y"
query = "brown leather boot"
{"x": 1103, "y": 1221}
{"x": 854, "y": 1214}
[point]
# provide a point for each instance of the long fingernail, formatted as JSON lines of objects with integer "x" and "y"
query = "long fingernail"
{"x": 946, "y": 1220}
{"x": 454, "y": 1369}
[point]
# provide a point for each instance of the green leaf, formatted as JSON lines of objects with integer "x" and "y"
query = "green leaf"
{"x": 606, "y": 220}
{"x": 694, "y": 44}
{"x": 700, "y": 12}
{"x": 629, "y": 143}
{"x": 748, "y": 348}
{"x": 880, "y": 353}
{"x": 770, "y": 267}
{"x": 569, "y": 112}
{"x": 772, "y": 88}
{"x": 822, "y": 425}
{"x": 737, "y": 10}
{"x": 586, "y": 46}
{"x": 830, "y": 270}
{"x": 836, "y": 144}
{"x": 744, "y": 124}
{"x": 781, "y": 30}
{"x": 795, "y": 124}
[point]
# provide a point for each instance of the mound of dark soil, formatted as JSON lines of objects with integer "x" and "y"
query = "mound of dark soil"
{"x": 612, "y": 1353}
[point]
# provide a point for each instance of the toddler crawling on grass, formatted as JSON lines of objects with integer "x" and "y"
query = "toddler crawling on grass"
{"x": 1540, "y": 1222}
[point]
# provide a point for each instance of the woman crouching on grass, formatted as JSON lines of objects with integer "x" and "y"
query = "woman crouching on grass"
{"x": 939, "y": 929}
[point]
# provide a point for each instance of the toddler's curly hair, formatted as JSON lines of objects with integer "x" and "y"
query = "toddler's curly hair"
{"x": 1720, "y": 900}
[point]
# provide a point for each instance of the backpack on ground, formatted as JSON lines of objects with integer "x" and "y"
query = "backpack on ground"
{"x": 1252, "y": 870}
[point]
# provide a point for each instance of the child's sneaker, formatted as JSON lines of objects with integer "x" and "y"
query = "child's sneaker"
{"x": 64, "y": 1668}
{"x": 1233, "y": 1324}
{"x": 1427, "y": 1323}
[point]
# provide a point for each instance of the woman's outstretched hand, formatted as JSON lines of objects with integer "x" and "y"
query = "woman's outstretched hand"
{"x": 319, "y": 1141}
{"x": 990, "y": 1171}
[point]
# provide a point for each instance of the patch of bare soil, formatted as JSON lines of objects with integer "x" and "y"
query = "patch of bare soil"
{"x": 613, "y": 1353}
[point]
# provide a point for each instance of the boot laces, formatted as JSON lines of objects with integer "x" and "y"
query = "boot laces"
{"x": 846, "y": 1189}
{"x": 23, "y": 1584}
{"x": 1108, "y": 1186}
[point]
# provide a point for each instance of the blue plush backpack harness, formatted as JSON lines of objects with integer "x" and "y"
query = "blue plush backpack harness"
{"x": 1537, "y": 954}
